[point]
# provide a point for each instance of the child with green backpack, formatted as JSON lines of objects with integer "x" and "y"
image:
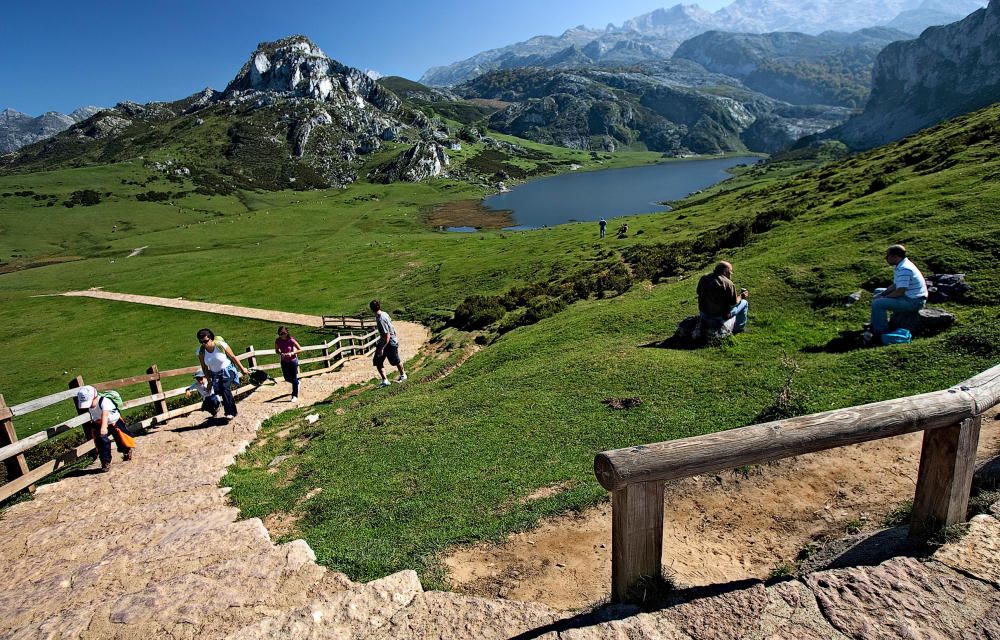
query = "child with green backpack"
{"x": 106, "y": 423}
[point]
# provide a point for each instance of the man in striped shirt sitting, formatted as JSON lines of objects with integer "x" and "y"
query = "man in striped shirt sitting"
{"x": 908, "y": 292}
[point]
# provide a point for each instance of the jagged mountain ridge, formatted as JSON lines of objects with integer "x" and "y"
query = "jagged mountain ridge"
{"x": 657, "y": 34}
{"x": 18, "y": 129}
{"x": 291, "y": 117}
{"x": 652, "y": 105}
{"x": 946, "y": 72}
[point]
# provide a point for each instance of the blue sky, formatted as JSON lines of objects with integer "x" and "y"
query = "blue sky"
{"x": 58, "y": 55}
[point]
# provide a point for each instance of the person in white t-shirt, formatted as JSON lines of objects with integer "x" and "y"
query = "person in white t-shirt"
{"x": 210, "y": 401}
{"x": 908, "y": 292}
{"x": 105, "y": 425}
{"x": 220, "y": 363}
{"x": 387, "y": 345}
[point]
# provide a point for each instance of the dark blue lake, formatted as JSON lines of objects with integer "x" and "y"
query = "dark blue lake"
{"x": 588, "y": 195}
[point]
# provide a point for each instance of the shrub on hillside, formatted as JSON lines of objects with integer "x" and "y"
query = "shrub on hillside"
{"x": 478, "y": 312}
{"x": 84, "y": 197}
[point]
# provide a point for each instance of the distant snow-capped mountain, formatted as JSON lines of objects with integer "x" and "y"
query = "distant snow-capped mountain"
{"x": 657, "y": 34}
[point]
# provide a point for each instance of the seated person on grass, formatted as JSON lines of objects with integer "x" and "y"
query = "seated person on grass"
{"x": 719, "y": 303}
{"x": 908, "y": 292}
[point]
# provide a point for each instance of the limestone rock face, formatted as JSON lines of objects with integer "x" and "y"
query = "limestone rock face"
{"x": 421, "y": 161}
{"x": 945, "y": 72}
{"x": 296, "y": 67}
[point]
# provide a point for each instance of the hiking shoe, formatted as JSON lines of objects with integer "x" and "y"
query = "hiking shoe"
{"x": 401, "y": 378}
{"x": 384, "y": 383}
{"x": 105, "y": 467}
{"x": 294, "y": 399}
{"x": 128, "y": 455}
{"x": 228, "y": 417}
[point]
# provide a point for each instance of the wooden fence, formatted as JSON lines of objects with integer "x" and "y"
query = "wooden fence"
{"x": 950, "y": 420}
{"x": 20, "y": 477}
{"x": 348, "y": 323}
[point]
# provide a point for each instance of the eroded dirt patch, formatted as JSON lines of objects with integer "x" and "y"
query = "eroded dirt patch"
{"x": 468, "y": 213}
{"x": 717, "y": 529}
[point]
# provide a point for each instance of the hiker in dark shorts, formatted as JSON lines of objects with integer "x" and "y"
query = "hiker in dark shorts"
{"x": 387, "y": 346}
{"x": 105, "y": 425}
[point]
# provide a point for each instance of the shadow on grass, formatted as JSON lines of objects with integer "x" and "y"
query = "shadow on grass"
{"x": 680, "y": 344}
{"x": 848, "y": 340}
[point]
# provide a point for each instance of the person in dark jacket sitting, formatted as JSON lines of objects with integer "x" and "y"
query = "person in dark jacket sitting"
{"x": 719, "y": 303}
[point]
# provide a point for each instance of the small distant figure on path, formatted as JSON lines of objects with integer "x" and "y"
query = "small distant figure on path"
{"x": 210, "y": 402}
{"x": 604, "y": 226}
{"x": 220, "y": 363}
{"x": 719, "y": 303}
{"x": 289, "y": 348}
{"x": 388, "y": 344}
{"x": 105, "y": 424}
{"x": 908, "y": 292}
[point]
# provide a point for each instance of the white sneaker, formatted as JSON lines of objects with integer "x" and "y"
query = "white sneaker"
{"x": 401, "y": 378}
{"x": 294, "y": 399}
{"x": 384, "y": 383}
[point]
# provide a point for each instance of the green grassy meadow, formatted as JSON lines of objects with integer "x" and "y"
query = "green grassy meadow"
{"x": 409, "y": 471}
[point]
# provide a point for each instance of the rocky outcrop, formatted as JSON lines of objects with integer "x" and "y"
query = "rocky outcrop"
{"x": 295, "y": 67}
{"x": 946, "y": 72}
{"x": 18, "y": 129}
{"x": 421, "y": 161}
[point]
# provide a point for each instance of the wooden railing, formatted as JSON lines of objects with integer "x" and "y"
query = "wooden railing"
{"x": 20, "y": 477}
{"x": 346, "y": 322}
{"x": 950, "y": 420}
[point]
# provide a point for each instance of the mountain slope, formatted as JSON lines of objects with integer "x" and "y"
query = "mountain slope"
{"x": 651, "y": 106}
{"x": 291, "y": 117}
{"x": 18, "y": 129}
{"x": 519, "y": 417}
{"x": 831, "y": 68}
{"x": 945, "y": 72}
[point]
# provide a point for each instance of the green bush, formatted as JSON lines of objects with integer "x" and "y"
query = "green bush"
{"x": 478, "y": 312}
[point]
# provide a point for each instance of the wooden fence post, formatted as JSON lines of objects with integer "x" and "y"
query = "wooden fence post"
{"x": 326, "y": 354}
{"x": 944, "y": 481}
{"x": 636, "y": 536}
{"x": 252, "y": 359}
{"x": 16, "y": 466}
{"x": 156, "y": 387}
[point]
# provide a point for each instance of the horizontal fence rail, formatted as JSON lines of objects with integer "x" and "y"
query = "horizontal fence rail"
{"x": 12, "y": 450}
{"x": 950, "y": 420}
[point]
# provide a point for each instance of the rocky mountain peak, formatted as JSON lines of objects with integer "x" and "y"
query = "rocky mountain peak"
{"x": 297, "y": 67}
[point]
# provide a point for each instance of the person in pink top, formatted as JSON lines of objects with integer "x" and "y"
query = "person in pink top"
{"x": 289, "y": 349}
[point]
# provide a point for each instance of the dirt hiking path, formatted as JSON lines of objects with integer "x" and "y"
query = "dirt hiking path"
{"x": 301, "y": 319}
{"x": 717, "y": 529}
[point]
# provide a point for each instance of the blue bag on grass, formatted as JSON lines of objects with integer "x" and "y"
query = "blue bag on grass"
{"x": 897, "y": 336}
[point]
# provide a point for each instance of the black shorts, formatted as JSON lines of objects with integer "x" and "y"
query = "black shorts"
{"x": 390, "y": 352}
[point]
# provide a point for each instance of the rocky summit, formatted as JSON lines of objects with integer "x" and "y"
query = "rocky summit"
{"x": 291, "y": 118}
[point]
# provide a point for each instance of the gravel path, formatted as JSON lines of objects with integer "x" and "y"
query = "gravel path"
{"x": 283, "y": 317}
